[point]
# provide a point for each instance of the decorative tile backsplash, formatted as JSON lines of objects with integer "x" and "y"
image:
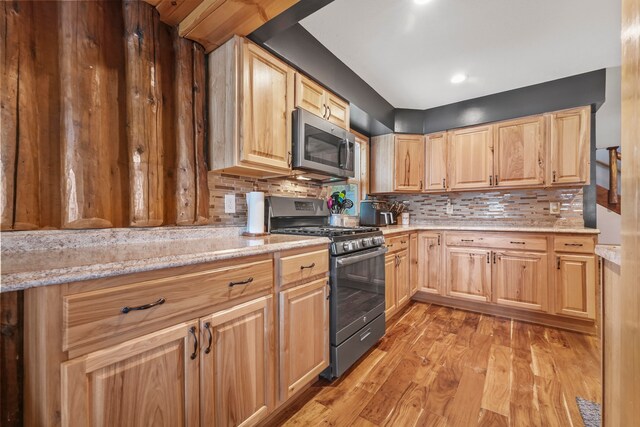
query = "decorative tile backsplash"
{"x": 221, "y": 184}
{"x": 507, "y": 207}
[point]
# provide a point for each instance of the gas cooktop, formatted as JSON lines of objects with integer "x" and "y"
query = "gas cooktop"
{"x": 327, "y": 231}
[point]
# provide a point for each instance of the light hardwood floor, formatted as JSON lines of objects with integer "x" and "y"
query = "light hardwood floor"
{"x": 443, "y": 367}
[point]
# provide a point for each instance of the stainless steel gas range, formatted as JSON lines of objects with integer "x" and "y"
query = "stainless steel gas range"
{"x": 357, "y": 281}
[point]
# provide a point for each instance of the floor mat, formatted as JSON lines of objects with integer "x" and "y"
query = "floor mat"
{"x": 590, "y": 412}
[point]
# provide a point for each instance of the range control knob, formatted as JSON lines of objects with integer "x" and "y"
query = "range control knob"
{"x": 346, "y": 246}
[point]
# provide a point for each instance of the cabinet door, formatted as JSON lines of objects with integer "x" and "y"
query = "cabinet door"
{"x": 570, "y": 145}
{"x": 238, "y": 364}
{"x": 471, "y": 158}
{"x": 310, "y": 96}
{"x": 430, "y": 258}
{"x": 520, "y": 280}
{"x": 409, "y": 162}
{"x": 519, "y": 152}
{"x": 390, "y": 285}
{"x": 403, "y": 288}
{"x": 151, "y": 380}
{"x": 268, "y": 92}
{"x": 576, "y": 286}
{"x": 469, "y": 273}
{"x": 436, "y": 162}
{"x": 304, "y": 335}
{"x": 337, "y": 111}
{"x": 413, "y": 260}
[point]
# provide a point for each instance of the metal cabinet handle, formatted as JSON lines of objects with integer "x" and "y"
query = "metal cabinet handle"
{"x": 127, "y": 309}
{"x": 494, "y": 257}
{"x": 324, "y": 111}
{"x": 207, "y": 327}
{"x": 192, "y": 330}
{"x": 329, "y": 112}
{"x": 242, "y": 282}
{"x": 329, "y": 292}
{"x": 313, "y": 264}
{"x": 490, "y": 180}
{"x": 365, "y": 334}
{"x": 402, "y": 242}
{"x": 574, "y": 244}
{"x": 553, "y": 179}
{"x": 421, "y": 184}
{"x": 558, "y": 262}
{"x": 444, "y": 182}
{"x": 488, "y": 257}
{"x": 290, "y": 158}
{"x": 438, "y": 239}
{"x": 466, "y": 240}
{"x": 496, "y": 180}
{"x": 517, "y": 243}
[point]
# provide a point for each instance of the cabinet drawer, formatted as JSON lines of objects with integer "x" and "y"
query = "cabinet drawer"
{"x": 397, "y": 243}
{"x": 579, "y": 244}
{"x": 528, "y": 243}
{"x": 299, "y": 267}
{"x": 93, "y": 316}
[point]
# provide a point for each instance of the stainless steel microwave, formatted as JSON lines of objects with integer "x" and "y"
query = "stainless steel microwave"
{"x": 321, "y": 147}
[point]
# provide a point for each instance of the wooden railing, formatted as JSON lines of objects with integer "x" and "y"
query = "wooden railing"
{"x": 610, "y": 198}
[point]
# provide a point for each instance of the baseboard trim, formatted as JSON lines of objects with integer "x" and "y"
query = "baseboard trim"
{"x": 576, "y": 325}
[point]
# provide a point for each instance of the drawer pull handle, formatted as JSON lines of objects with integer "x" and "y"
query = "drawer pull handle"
{"x": 127, "y": 309}
{"x": 313, "y": 264}
{"x": 466, "y": 240}
{"x": 573, "y": 244}
{"x": 192, "y": 330}
{"x": 207, "y": 327}
{"x": 517, "y": 243}
{"x": 242, "y": 282}
{"x": 365, "y": 335}
{"x": 402, "y": 242}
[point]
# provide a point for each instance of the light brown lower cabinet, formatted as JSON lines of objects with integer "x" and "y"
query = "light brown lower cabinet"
{"x": 237, "y": 380}
{"x": 403, "y": 288}
{"x": 520, "y": 279}
{"x": 430, "y": 260}
{"x": 391, "y": 299}
{"x": 304, "y": 335}
{"x": 469, "y": 273}
{"x": 576, "y": 285}
{"x": 150, "y": 380}
{"x": 413, "y": 260}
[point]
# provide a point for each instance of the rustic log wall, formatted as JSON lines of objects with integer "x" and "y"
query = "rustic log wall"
{"x": 102, "y": 118}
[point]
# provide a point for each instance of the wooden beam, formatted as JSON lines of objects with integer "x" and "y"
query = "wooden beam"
{"x": 144, "y": 114}
{"x": 90, "y": 122}
{"x": 628, "y": 317}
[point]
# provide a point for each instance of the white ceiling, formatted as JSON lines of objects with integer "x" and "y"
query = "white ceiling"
{"x": 409, "y": 52}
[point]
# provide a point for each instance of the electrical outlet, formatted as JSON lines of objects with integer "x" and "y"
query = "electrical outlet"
{"x": 449, "y": 207}
{"x": 554, "y": 208}
{"x": 229, "y": 203}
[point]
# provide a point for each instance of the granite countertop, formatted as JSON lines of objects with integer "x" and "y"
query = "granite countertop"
{"x": 612, "y": 253}
{"x": 394, "y": 229}
{"x": 39, "y": 258}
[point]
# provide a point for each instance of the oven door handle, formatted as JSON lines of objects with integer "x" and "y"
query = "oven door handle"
{"x": 362, "y": 256}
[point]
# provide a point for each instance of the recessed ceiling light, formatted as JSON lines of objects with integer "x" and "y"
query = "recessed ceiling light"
{"x": 421, "y": 1}
{"x": 458, "y": 78}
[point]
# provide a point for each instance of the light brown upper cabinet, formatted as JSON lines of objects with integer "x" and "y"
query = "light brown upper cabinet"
{"x": 251, "y": 98}
{"x": 436, "y": 162}
{"x": 519, "y": 152}
{"x": 319, "y": 101}
{"x": 569, "y": 146}
{"x": 471, "y": 158}
{"x": 397, "y": 163}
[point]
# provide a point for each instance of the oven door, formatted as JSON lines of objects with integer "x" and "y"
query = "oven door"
{"x": 357, "y": 291}
{"x": 322, "y": 147}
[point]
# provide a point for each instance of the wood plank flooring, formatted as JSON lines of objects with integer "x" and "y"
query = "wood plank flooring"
{"x": 439, "y": 366}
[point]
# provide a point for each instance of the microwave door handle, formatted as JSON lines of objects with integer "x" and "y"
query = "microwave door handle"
{"x": 348, "y": 160}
